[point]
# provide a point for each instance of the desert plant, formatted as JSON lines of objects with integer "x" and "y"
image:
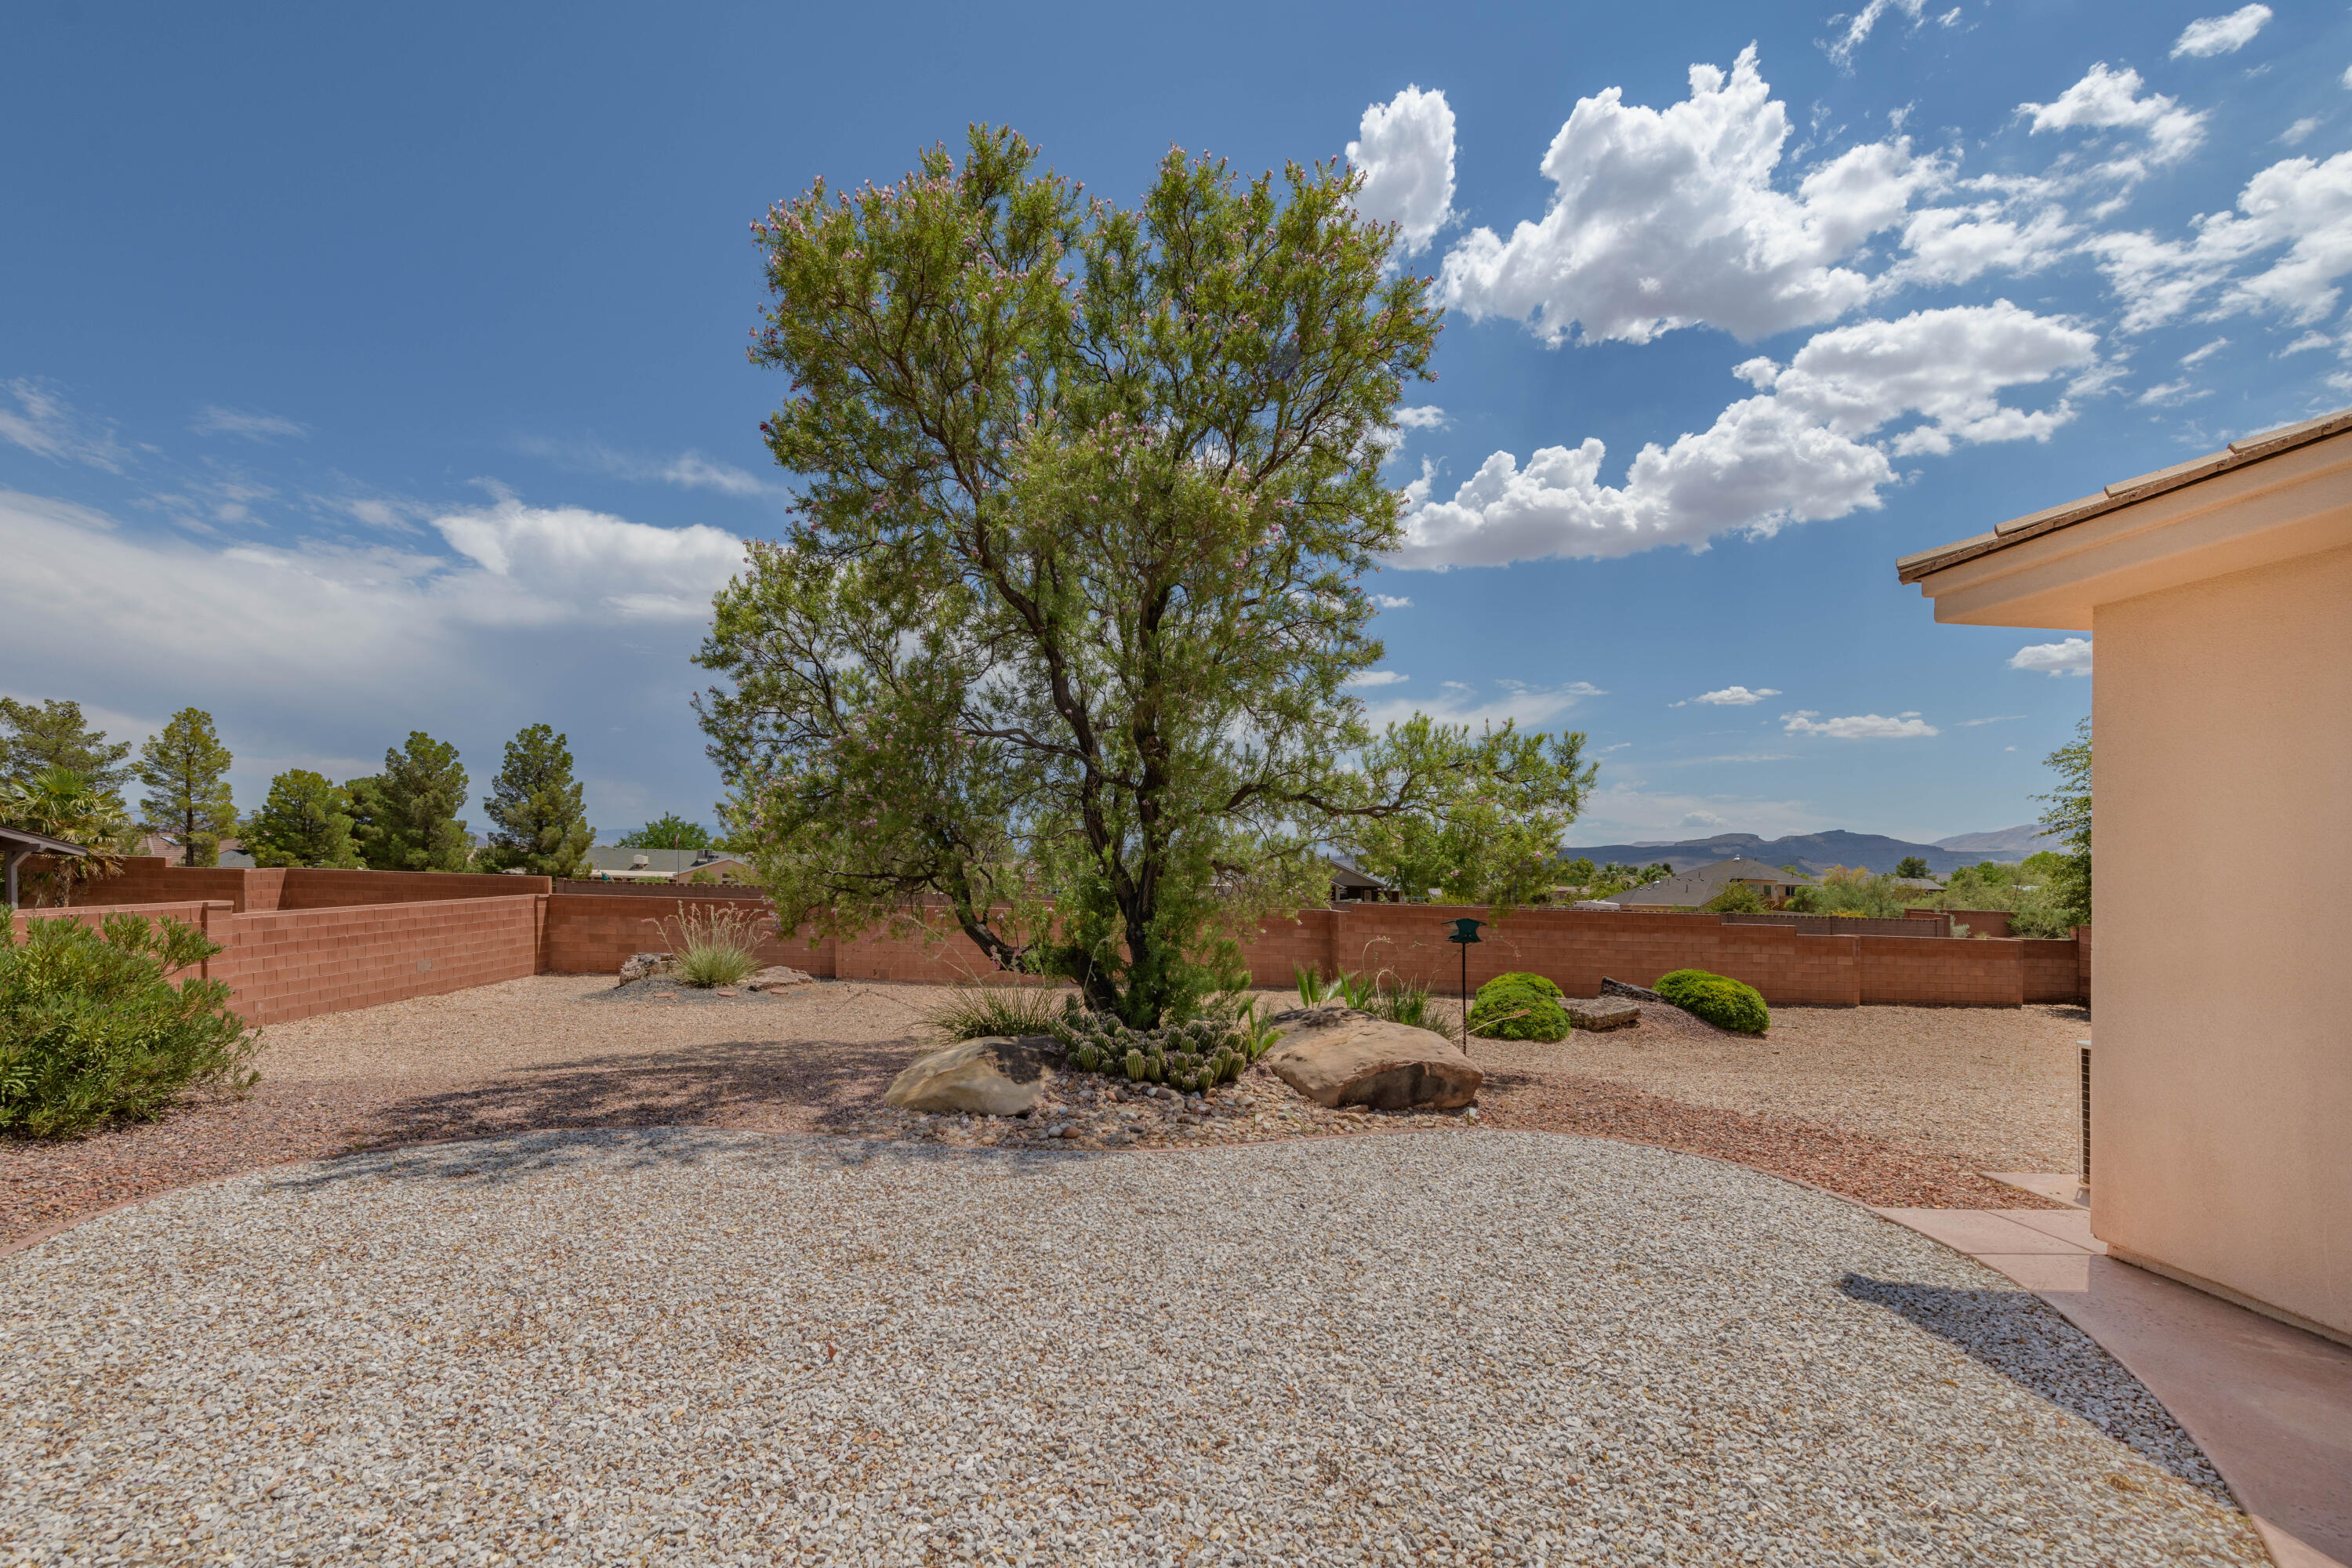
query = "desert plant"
{"x": 1725, "y": 1003}
{"x": 713, "y": 945}
{"x": 1195, "y": 1056}
{"x": 59, "y": 803}
{"x": 1518, "y": 1007}
{"x": 92, "y": 1026}
{"x": 982, "y": 1011}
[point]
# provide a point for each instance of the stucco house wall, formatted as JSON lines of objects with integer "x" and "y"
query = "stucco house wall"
{"x": 2223, "y": 1120}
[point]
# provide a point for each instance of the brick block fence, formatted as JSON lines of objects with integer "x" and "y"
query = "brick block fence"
{"x": 393, "y": 935}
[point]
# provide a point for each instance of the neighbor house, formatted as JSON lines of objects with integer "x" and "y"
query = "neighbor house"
{"x": 612, "y": 863}
{"x": 1774, "y": 884}
{"x": 2219, "y": 594}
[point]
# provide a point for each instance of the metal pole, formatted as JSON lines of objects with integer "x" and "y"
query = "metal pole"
{"x": 1466, "y": 999}
{"x": 2086, "y": 1110}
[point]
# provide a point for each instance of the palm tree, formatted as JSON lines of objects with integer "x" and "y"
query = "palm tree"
{"x": 59, "y": 803}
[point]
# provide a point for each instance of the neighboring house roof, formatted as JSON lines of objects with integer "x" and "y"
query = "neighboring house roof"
{"x": 656, "y": 862}
{"x": 2123, "y": 493}
{"x": 1701, "y": 883}
{"x": 1347, "y": 874}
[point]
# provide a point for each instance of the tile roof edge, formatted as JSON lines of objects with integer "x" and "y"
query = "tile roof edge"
{"x": 2123, "y": 493}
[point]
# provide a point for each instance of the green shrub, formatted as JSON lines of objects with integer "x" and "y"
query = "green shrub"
{"x": 1725, "y": 1003}
{"x": 979, "y": 1012}
{"x": 1518, "y": 1007}
{"x": 92, "y": 1027}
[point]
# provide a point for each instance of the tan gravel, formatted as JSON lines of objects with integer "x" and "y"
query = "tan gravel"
{"x": 1889, "y": 1106}
{"x": 1993, "y": 1089}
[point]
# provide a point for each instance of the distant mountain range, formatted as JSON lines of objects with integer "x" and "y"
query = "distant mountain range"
{"x": 1817, "y": 852}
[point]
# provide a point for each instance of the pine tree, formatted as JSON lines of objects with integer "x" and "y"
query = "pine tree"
{"x": 539, "y": 823}
{"x": 406, "y": 818}
{"x": 34, "y": 738}
{"x": 306, "y": 821}
{"x": 186, "y": 770}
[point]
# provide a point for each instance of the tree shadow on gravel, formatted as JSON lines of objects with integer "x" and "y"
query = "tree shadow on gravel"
{"x": 609, "y": 1151}
{"x": 743, "y": 1083}
{"x": 2027, "y": 1340}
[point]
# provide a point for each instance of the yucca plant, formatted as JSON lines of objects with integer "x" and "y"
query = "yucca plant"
{"x": 981, "y": 1011}
{"x": 716, "y": 944}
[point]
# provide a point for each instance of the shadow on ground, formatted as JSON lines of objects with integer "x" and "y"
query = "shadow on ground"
{"x": 609, "y": 1151}
{"x": 816, "y": 1087}
{"x": 2024, "y": 1339}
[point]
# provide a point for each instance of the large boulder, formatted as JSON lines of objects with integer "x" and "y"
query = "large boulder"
{"x": 1337, "y": 1056}
{"x": 778, "y": 977}
{"x": 647, "y": 966}
{"x": 1633, "y": 993}
{"x": 1602, "y": 1013}
{"x": 995, "y": 1076}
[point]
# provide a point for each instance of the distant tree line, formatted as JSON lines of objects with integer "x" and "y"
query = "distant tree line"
{"x": 61, "y": 777}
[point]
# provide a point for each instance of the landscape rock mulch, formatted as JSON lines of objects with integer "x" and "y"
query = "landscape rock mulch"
{"x": 690, "y": 1346}
{"x": 774, "y": 1074}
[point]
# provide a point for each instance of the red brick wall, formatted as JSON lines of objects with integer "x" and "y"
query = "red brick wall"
{"x": 1982, "y": 922}
{"x": 283, "y": 965}
{"x": 147, "y": 880}
{"x": 187, "y": 912}
{"x": 1940, "y": 973}
{"x": 2052, "y": 969}
{"x": 591, "y": 933}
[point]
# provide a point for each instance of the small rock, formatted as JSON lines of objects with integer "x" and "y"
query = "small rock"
{"x": 1603, "y": 1013}
{"x": 1619, "y": 988}
{"x": 778, "y": 977}
{"x": 640, "y": 965}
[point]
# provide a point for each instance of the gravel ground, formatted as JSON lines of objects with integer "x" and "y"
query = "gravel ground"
{"x": 1863, "y": 1101}
{"x": 1993, "y": 1089}
{"x": 692, "y": 1346}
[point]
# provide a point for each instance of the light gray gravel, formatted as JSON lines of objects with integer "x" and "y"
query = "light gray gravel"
{"x": 690, "y": 1346}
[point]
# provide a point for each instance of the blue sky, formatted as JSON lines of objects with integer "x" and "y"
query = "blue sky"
{"x": 362, "y": 371}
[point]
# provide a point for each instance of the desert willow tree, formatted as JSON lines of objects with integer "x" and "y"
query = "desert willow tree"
{"x": 1064, "y": 614}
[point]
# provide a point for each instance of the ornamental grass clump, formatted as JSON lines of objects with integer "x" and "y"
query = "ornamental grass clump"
{"x": 1194, "y": 1056}
{"x": 1383, "y": 995}
{"x": 92, "y": 1027}
{"x": 982, "y": 1012}
{"x": 1518, "y": 1007}
{"x": 1725, "y": 1003}
{"x": 713, "y": 945}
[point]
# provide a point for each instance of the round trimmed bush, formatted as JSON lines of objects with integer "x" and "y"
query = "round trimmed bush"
{"x": 1518, "y": 1007}
{"x": 1725, "y": 1003}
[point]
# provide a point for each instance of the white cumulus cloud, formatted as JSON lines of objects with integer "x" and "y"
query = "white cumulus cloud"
{"x": 2110, "y": 100}
{"x": 2071, "y": 657}
{"x": 1405, "y": 149}
{"x": 1730, "y": 697}
{"x": 1529, "y": 706}
{"x": 1392, "y": 601}
{"x": 1857, "y": 727}
{"x": 1665, "y": 218}
{"x": 2299, "y": 208}
{"x": 2221, "y": 34}
{"x": 1376, "y": 677}
{"x": 1795, "y": 453}
{"x": 1858, "y": 30}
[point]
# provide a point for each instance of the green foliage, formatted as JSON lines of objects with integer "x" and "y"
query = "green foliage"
{"x": 185, "y": 770}
{"x": 1059, "y": 631}
{"x": 1851, "y": 890}
{"x": 406, "y": 818}
{"x": 537, "y": 821}
{"x": 92, "y": 1027}
{"x": 1614, "y": 877}
{"x": 1518, "y": 1007}
{"x": 714, "y": 944}
{"x": 1738, "y": 898}
{"x": 1911, "y": 866}
{"x": 1194, "y": 1056}
{"x": 2067, "y": 813}
{"x": 669, "y": 831}
{"x": 1383, "y": 995}
{"x": 37, "y": 737}
{"x": 59, "y": 803}
{"x": 306, "y": 821}
{"x": 979, "y": 1012}
{"x": 1487, "y": 815}
{"x": 1725, "y": 1003}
